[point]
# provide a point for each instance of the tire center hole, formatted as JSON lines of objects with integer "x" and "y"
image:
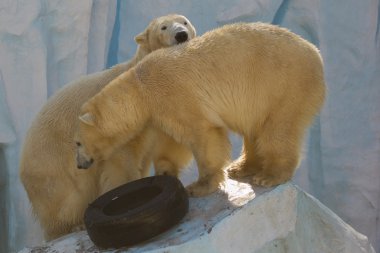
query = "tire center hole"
{"x": 132, "y": 200}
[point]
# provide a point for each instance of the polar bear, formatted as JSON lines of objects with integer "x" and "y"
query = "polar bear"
{"x": 58, "y": 191}
{"x": 258, "y": 80}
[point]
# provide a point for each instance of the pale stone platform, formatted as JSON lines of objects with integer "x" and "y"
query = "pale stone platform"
{"x": 243, "y": 219}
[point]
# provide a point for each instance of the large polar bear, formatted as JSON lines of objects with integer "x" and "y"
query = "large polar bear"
{"x": 256, "y": 79}
{"x": 58, "y": 191}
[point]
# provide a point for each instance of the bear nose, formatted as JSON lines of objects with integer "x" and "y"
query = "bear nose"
{"x": 181, "y": 36}
{"x": 84, "y": 164}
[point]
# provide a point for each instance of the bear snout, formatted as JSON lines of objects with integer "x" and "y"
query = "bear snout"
{"x": 83, "y": 163}
{"x": 181, "y": 36}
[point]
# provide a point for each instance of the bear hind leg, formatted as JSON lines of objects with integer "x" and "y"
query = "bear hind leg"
{"x": 279, "y": 145}
{"x": 248, "y": 164}
{"x": 62, "y": 221}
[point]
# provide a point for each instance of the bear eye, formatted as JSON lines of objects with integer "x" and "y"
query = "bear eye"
{"x": 78, "y": 144}
{"x": 164, "y": 27}
{"x": 185, "y": 23}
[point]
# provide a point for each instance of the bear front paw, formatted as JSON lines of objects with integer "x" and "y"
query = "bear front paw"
{"x": 203, "y": 187}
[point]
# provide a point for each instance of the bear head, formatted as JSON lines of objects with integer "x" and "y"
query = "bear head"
{"x": 166, "y": 31}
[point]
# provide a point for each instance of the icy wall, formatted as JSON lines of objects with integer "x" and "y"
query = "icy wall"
{"x": 46, "y": 43}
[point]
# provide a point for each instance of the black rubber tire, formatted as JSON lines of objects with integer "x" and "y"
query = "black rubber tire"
{"x": 136, "y": 211}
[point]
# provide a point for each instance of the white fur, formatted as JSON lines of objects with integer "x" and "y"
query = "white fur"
{"x": 59, "y": 192}
{"x": 258, "y": 80}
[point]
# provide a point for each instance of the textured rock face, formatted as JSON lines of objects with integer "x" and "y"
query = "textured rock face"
{"x": 45, "y": 44}
{"x": 242, "y": 219}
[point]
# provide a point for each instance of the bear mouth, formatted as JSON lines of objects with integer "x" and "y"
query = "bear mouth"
{"x": 180, "y": 42}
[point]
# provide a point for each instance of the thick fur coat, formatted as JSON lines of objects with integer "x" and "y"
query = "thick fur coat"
{"x": 258, "y": 80}
{"x": 60, "y": 192}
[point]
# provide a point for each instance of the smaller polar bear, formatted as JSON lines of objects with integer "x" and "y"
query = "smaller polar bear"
{"x": 256, "y": 79}
{"x": 58, "y": 191}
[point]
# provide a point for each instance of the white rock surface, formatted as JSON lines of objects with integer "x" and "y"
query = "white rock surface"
{"x": 240, "y": 219}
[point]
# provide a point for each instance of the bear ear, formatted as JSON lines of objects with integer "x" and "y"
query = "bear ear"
{"x": 142, "y": 38}
{"x": 87, "y": 118}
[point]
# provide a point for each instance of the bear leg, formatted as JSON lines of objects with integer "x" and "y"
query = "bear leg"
{"x": 249, "y": 163}
{"x": 172, "y": 158}
{"x": 211, "y": 149}
{"x": 117, "y": 170}
{"x": 279, "y": 145}
{"x": 165, "y": 167}
{"x": 66, "y": 218}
